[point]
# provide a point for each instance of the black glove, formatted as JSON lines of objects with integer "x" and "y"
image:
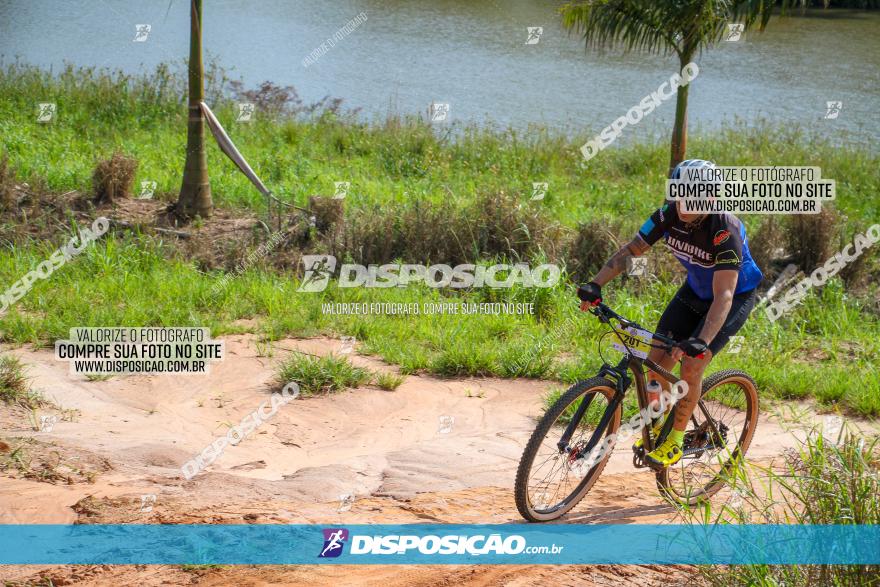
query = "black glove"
{"x": 590, "y": 292}
{"x": 693, "y": 347}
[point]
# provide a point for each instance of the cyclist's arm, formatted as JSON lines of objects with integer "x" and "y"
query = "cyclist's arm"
{"x": 723, "y": 287}
{"x": 617, "y": 263}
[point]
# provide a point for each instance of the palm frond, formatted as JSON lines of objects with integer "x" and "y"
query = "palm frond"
{"x": 636, "y": 26}
{"x": 686, "y": 27}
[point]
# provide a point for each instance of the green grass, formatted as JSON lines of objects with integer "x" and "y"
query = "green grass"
{"x": 824, "y": 481}
{"x": 14, "y": 385}
{"x": 130, "y": 281}
{"x": 402, "y": 160}
{"x": 316, "y": 375}
{"x": 140, "y": 281}
{"x": 388, "y": 381}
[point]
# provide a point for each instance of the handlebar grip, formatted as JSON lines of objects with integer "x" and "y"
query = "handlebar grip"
{"x": 678, "y": 346}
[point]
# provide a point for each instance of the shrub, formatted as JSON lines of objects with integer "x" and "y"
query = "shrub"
{"x": 506, "y": 228}
{"x": 592, "y": 246}
{"x": 113, "y": 178}
{"x": 272, "y": 100}
{"x": 327, "y": 212}
{"x": 855, "y": 273}
{"x": 7, "y": 183}
{"x": 494, "y": 226}
{"x": 810, "y": 237}
{"x": 767, "y": 245}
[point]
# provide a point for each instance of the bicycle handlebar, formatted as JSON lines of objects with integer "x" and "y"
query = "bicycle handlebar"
{"x": 606, "y": 314}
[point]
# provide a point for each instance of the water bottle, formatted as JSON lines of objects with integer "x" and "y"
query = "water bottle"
{"x": 654, "y": 391}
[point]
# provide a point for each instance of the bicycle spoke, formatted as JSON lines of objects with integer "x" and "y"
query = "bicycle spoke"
{"x": 555, "y": 476}
{"x": 711, "y": 443}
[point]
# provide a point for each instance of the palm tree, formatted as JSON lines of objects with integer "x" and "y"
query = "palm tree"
{"x": 683, "y": 27}
{"x": 195, "y": 192}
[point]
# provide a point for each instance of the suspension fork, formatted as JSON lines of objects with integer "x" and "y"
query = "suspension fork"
{"x": 621, "y": 381}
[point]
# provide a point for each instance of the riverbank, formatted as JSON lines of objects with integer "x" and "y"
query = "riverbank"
{"x": 301, "y": 150}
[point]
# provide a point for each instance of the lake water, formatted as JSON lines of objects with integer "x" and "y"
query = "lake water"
{"x": 473, "y": 55}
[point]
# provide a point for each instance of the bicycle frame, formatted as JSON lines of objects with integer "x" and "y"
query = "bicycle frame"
{"x": 620, "y": 377}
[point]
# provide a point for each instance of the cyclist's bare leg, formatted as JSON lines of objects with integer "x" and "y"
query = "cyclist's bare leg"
{"x": 692, "y": 370}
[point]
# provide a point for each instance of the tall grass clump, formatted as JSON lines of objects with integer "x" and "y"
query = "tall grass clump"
{"x": 388, "y": 381}
{"x": 594, "y": 243}
{"x": 14, "y": 385}
{"x": 316, "y": 375}
{"x": 811, "y": 237}
{"x": 113, "y": 177}
{"x": 493, "y": 225}
{"x": 767, "y": 245}
{"x": 823, "y": 482}
{"x": 7, "y": 183}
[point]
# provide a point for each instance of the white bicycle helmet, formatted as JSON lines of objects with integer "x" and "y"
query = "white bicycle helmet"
{"x": 694, "y": 163}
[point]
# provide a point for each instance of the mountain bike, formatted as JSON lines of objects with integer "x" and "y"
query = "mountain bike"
{"x": 560, "y": 463}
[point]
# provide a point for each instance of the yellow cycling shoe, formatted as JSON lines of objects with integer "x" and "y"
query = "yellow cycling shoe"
{"x": 655, "y": 432}
{"x": 668, "y": 453}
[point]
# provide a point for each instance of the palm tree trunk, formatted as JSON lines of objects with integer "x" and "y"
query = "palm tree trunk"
{"x": 679, "y": 130}
{"x": 195, "y": 192}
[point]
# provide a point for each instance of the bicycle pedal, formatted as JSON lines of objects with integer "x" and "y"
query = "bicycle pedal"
{"x": 639, "y": 458}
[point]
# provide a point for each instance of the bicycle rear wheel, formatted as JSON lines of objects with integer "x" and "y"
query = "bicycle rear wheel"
{"x": 550, "y": 481}
{"x": 711, "y": 454}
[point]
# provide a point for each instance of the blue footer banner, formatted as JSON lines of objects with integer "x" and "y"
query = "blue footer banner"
{"x": 438, "y": 544}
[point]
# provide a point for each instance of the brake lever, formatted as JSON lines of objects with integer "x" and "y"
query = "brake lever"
{"x": 597, "y": 310}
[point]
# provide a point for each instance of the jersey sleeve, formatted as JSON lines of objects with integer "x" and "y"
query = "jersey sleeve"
{"x": 657, "y": 224}
{"x": 727, "y": 246}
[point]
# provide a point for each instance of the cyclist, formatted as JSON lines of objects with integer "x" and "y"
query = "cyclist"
{"x": 710, "y": 307}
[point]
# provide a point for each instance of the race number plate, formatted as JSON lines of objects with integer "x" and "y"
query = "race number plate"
{"x": 638, "y": 341}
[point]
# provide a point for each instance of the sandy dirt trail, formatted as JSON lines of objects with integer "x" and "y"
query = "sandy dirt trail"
{"x": 128, "y": 437}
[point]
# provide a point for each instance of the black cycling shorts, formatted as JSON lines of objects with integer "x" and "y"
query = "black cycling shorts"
{"x": 686, "y": 313}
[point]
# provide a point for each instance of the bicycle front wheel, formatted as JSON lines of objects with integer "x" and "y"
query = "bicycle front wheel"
{"x": 553, "y": 474}
{"x": 713, "y": 452}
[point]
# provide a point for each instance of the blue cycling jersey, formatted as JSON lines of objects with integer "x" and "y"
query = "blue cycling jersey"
{"x": 713, "y": 243}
